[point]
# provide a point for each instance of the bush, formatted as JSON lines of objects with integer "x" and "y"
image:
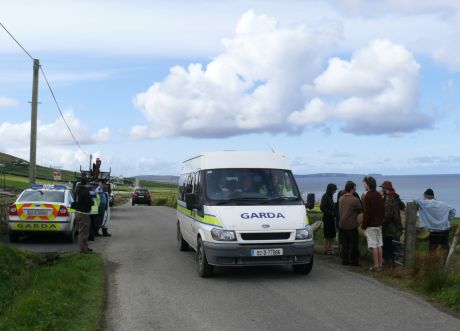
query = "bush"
{"x": 430, "y": 274}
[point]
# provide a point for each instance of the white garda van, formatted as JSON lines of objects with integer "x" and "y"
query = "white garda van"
{"x": 242, "y": 209}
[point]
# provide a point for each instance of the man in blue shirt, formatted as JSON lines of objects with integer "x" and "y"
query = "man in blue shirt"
{"x": 102, "y": 192}
{"x": 435, "y": 216}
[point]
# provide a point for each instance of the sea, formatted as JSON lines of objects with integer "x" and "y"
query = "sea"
{"x": 446, "y": 187}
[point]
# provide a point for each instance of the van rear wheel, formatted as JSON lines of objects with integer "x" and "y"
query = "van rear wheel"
{"x": 303, "y": 269}
{"x": 183, "y": 245}
{"x": 204, "y": 269}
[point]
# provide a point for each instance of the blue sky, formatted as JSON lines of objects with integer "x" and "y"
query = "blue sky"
{"x": 338, "y": 86}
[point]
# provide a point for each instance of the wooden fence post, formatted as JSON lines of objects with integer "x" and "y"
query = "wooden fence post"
{"x": 453, "y": 246}
{"x": 410, "y": 236}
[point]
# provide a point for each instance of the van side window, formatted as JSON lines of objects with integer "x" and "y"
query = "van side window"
{"x": 198, "y": 189}
{"x": 182, "y": 187}
{"x": 190, "y": 183}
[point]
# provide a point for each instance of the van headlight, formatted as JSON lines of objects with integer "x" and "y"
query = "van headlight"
{"x": 305, "y": 233}
{"x": 223, "y": 235}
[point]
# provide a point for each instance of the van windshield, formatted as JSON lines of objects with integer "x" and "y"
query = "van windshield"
{"x": 251, "y": 186}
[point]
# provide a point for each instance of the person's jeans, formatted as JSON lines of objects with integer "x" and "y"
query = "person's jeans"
{"x": 350, "y": 246}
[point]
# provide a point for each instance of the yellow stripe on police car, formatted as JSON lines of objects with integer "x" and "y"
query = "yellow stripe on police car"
{"x": 36, "y": 226}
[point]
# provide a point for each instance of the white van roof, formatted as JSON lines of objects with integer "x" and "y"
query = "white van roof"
{"x": 235, "y": 159}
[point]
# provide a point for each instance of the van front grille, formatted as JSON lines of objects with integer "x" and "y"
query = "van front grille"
{"x": 266, "y": 236}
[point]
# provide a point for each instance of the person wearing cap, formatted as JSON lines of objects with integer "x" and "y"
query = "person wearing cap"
{"x": 435, "y": 216}
{"x": 392, "y": 227}
{"x": 373, "y": 213}
{"x": 328, "y": 208}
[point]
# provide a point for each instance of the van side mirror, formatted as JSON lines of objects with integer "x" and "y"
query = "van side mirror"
{"x": 310, "y": 202}
{"x": 189, "y": 201}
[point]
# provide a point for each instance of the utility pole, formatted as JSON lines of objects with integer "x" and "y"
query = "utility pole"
{"x": 33, "y": 125}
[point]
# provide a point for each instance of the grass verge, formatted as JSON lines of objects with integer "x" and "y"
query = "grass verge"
{"x": 65, "y": 294}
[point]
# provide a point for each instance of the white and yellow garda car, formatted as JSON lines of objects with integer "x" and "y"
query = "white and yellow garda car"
{"x": 242, "y": 209}
{"x": 42, "y": 208}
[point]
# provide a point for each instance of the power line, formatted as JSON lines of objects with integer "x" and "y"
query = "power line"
{"x": 17, "y": 42}
{"x": 60, "y": 112}
{"x": 49, "y": 87}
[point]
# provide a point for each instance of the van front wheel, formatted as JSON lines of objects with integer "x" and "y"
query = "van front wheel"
{"x": 204, "y": 269}
{"x": 303, "y": 269}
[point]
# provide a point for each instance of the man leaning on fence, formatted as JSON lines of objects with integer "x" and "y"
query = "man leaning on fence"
{"x": 436, "y": 217}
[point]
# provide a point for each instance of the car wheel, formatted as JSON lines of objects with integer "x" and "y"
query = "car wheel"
{"x": 70, "y": 236}
{"x": 204, "y": 269}
{"x": 303, "y": 269}
{"x": 14, "y": 236}
{"x": 149, "y": 203}
{"x": 183, "y": 245}
{"x": 132, "y": 203}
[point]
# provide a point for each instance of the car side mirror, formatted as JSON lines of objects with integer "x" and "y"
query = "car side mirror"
{"x": 310, "y": 201}
{"x": 190, "y": 201}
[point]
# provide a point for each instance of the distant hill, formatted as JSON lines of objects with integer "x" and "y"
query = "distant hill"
{"x": 157, "y": 178}
{"x": 16, "y": 166}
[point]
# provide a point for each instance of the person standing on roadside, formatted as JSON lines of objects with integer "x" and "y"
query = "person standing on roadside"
{"x": 349, "y": 209}
{"x": 392, "y": 227}
{"x": 83, "y": 203}
{"x": 101, "y": 190}
{"x": 436, "y": 217}
{"x": 373, "y": 214}
{"x": 327, "y": 206}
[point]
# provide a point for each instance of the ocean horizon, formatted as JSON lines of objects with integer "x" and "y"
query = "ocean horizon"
{"x": 409, "y": 187}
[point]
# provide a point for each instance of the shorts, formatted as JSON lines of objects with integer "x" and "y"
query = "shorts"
{"x": 374, "y": 236}
{"x": 437, "y": 239}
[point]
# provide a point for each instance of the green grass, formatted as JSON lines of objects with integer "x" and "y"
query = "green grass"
{"x": 14, "y": 166}
{"x": 66, "y": 295}
{"x": 20, "y": 182}
{"x": 163, "y": 194}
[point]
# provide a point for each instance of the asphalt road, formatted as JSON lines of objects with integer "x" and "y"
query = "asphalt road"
{"x": 154, "y": 286}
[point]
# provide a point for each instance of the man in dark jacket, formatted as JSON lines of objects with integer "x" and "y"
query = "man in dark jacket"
{"x": 83, "y": 203}
{"x": 392, "y": 227}
{"x": 328, "y": 208}
{"x": 373, "y": 213}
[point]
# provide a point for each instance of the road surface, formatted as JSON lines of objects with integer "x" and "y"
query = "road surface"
{"x": 153, "y": 286}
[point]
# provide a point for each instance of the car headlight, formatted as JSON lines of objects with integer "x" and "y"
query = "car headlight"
{"x": 223, "y": 235}
{"x": 305, "y": 233}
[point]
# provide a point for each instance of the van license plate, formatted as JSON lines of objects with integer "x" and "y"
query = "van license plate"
{"x": 267, "y": 252}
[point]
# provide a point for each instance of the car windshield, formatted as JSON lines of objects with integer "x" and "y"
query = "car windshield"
{"x": 141, "y": 191}
{"x": 251, "y": 186}
{"x": 42, "y": 195}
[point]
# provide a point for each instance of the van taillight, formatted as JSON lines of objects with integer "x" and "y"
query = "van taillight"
{"x": 13, "y": 211}
{"x": 63, "y": 211}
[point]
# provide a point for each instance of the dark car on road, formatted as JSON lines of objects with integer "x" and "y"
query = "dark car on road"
{"x": 141, "y": 196}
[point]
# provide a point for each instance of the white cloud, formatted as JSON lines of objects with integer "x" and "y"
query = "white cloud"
{"x": 269, "y": 79}
{"x": 7, "y": 102}
{"x": 251, "y": 87}
{"x": 377, "y": 92}
{"x": 52, "y": 134}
